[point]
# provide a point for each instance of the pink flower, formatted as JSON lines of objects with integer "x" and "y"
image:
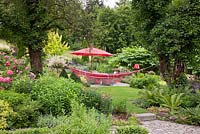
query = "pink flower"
{"x": 9, "y": 72}
{"x": 6, "y": 57}
{"x": 15, "y": 61}
{"x": 1, "y": 79}
{"x": 7, "y": 80}
{"x": 14, "y": 67}
{"x": 7, "y": 63}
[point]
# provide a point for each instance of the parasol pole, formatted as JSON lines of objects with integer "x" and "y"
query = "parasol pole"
{"x": 91, "y": 57}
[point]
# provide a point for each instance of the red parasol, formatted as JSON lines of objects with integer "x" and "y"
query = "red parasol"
{"x": 91, "y": 52}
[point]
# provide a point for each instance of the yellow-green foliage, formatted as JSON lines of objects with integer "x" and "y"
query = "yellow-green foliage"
{"x": 54, "y": 45}
{"x": 5, "y": 111}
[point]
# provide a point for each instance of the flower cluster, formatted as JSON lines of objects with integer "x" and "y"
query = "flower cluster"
{"x": 10, "y": 68}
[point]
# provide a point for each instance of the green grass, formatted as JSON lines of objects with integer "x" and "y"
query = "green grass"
{"x": 123, "y": 93}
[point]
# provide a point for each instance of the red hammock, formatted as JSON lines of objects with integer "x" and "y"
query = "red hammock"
{"x": 100, "y": 78}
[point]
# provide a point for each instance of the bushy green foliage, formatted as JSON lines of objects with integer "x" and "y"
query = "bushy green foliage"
{"x": 75, "y": 78}
{"x": 135, "y": 55}
{"x": 131, "y": 130}
{"x": 145, "y": 81}
{"x": 87, "y": 122}
{"x": 5, "y": 112}
{"x": 22, "y": 85}
{"x": 51, "y": 121}
{"x": 77, "y": 60}
{"x": 93, "y": 99}
{"x": 81, "y": 121}
{"x": 27, "y": 111}
{"x": 172, "y": 102}
{"x": 162, "y": 97}
{"x": 55, "y": 94}
{"x": 151, "y": 98}
{"x": 63, "y": 73}
{"x": 29, "y": 131}
{"x": 120, "y": 106}
{"x": 104, "y": 68}
{"x": 130, "y": 122}
{"x": 191, "y": 99}
{"x": 191, "y": 115}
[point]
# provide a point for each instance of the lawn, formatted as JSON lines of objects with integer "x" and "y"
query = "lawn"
{"x": 119, "y": 93}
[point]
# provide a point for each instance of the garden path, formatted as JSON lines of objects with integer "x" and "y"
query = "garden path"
{"x": 166, "y": 127}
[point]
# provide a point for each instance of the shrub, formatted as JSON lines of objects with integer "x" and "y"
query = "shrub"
{"x": 54, "y": 45}
{"x": 145, "y": 81}
{"x": 93, "y": 99}
{"x": 27, "y": 115}
{"x": 5, "y": 112}
{"x": 22, "y": 85}
{"x": 75, "y": 78}
{"x": 120, "y": 107}
{"x": 191, "y": 99}
{"x": 127, "y": 79}
{"x": 14, "y": 99}
{"x": 131, "y": 121}
{"x": 29, "y": 131}
{"x": 130, "y": 56}
{"x": 87, "y": 122}
{"x": 191, "y": 115}
{"x": 81, "y": 121}
{"x": 77, "y": 60}
{"x": 27, "y": 111}
{"x": 131, "y": 130}
{"x": 11, "y": 69}
{"x": 55, "y": 94}
{"x": 51, "y": 121}
{"x": 56, "y": 62}
{"x": 104, "y": 68}
{"x": 152, "y": 98}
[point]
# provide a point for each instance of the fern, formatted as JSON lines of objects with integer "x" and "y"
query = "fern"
{"x": 172, "y": 102}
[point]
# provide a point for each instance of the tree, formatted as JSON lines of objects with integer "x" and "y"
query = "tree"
{"x": 26, "y": 22}
{"x": 169, "y": 28}
{"x": 114, "y": 28}
{"x": 177, "y": 35}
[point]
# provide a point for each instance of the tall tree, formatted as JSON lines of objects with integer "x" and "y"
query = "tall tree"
{"x": 26, "y": 22}
{"x": 114, "y": 28}
{"x": 178, "y": 34}
{"x": 170, "y": 29}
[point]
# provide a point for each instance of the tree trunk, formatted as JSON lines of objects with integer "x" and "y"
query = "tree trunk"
{"x": 165, "y": 68}
{"x": 179, "y": 68}
{"x": 35, "y": 60}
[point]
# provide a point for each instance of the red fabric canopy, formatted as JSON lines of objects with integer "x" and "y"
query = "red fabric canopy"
{"x": 91, "y": 52}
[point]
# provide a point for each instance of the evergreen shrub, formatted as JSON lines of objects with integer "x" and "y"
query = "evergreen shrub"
{"x": 55, "y": 94}
{"x": 93, "y": 99}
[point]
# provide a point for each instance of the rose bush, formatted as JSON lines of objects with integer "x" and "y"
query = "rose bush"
{"x": 10, "y": 69}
